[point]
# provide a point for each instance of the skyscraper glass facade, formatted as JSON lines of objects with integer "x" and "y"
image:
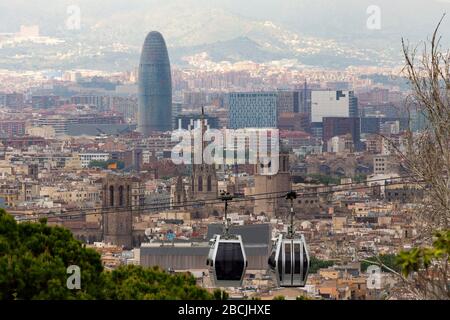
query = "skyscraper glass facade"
{"x": 155, "y": 86}
{"x": 252, "y": 110}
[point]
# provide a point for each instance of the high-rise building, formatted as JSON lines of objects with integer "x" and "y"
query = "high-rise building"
{"x": 338, "y": 126}
{"x": 287, "y": 101}
{"x": 296, "y": 101}
{"x": 252, "y": 110}
{"x": 155, "y": 86}
{"x": 305, "y": 100}
{"x": 329, "y": 103}
{"x": 177, "y": 108}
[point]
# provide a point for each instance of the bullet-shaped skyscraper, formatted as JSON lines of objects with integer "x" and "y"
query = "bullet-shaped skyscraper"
{"x": 155, "y": 86}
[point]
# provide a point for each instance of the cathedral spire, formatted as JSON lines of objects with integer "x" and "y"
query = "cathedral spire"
{"x": 203, "y": 130}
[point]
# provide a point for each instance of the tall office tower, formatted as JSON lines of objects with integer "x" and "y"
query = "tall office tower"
{"x": 252, "y": 110}
{"x": 329, "y": 103}
{"x": 177, "y": 108}
{"x": 338, "y": 126}
{"x": 155, "y": 86}
{"x": 296, "y": 101}
{"x": 287, "y": 101}
{"x": 353, "y": 105}
{"x": 305, "y": 100}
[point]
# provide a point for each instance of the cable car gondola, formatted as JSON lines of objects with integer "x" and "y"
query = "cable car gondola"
{"x": 289, "y": 259}
{"x": 226, "y": 260}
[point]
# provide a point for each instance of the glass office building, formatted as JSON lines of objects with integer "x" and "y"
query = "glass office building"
{"x": 252, "y": 110}
{"x": 155, "y": 86}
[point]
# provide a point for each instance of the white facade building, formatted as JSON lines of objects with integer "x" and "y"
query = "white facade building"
{"x": 86, "y": 158}
{"x": 332, "y": 103}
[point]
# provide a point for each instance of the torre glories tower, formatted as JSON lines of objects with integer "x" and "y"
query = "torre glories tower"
{"x": 155, "y": 86}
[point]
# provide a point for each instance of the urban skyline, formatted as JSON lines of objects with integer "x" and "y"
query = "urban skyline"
{"x": 229, "y": 153}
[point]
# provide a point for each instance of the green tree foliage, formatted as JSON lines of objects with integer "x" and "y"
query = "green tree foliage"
{"x": 324, "y": 179}
{"x": 359, "y": 178}
{"x": 316, "y": 264}
{"x": 279, "y": 298}
{"x": 33, "y": 265}
{"x": 137, "y": 283}
{"x": 220, "y": 295}
{"x": 34, "y": 258}
{"x": 98, "y": 164}
{"x": 104, "y": 164}
{"x": 418, "y": 259}
{"x": 389, "y": 260}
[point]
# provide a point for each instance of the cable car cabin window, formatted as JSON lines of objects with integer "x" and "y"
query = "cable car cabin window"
{"x": 287, "y": 258}
{"x": 305, "y": 264}
{"x": 229, "y": 261}
{"x": 272, "y": 262}
{"x": 280, "y": 264}
{"x": 297, "y": 258}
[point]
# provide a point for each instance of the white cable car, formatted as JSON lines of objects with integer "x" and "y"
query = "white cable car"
{"x": 227, "y": 261}
{"x": 289, "y": 259}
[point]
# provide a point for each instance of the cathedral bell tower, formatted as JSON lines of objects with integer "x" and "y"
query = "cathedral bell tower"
{"x": 117, "y": 210}
{"x": 204, "y": 184}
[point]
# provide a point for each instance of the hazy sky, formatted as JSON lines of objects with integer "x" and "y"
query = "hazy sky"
{"x": 339, "y": 19}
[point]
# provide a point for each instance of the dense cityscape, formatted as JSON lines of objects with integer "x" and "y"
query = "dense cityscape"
{"x": 92, "y": 151}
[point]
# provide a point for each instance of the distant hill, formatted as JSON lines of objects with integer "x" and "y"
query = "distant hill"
{"x": 231, "y": 30}
{"x": 238, "y": 49}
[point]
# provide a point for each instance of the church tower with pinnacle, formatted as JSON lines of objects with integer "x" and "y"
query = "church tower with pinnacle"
{"x": 204, "y": 184}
